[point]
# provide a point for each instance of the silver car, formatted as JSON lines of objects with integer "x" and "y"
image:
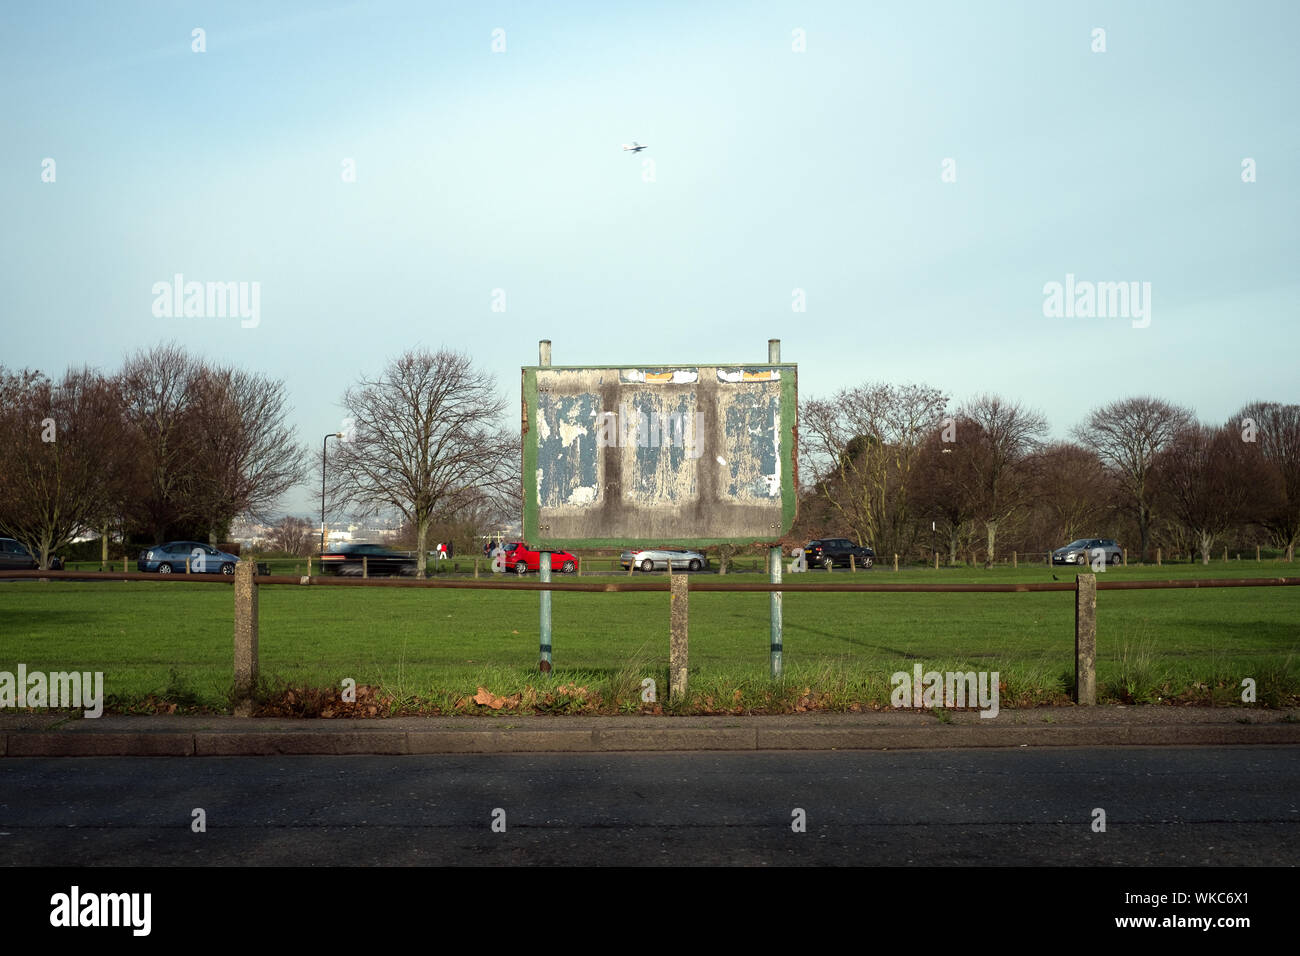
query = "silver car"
{"x": 657, "y": 559}
{"x": 1084, "y": 550}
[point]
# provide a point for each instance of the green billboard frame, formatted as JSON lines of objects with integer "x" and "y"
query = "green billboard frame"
{"x": 537, "y": 531}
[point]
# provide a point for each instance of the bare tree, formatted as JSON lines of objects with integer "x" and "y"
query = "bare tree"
{"x": 1071, "y": 491}
{"x": 1206, "y": 479}
{"x": 943, "y": 486}
{"x": 292, "y": 535}
{"x": 239, "y": 445}
{"x": 1274, "y": 430}
{"x": 1128, "y": 435}
{"x": 862, "y": 445}
{"x": 1005, "y": 438}
{"x": 157, "y": 388}
{"x": 60, "y": 442}
{"x": 426, "y": 441}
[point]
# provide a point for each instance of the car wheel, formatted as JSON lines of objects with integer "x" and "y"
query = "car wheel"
{"x": 1114, "y": 559}
{"x": 694, "y": 565}
{"x": 867, "y": 562}
{"x": 227, "y": 568}
{"x": 521, "y": 568}
{"x": 568, "y": 568}
{"x": 647, "y": 565}
{"x": 56, "y": 564}
{"x": 827, "y": 563}
{"x": 164, "y": 568}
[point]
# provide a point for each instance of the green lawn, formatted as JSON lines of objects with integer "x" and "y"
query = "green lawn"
{"x": 432, "y": 647}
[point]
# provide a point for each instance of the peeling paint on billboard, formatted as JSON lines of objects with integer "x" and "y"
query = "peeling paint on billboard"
{"x": 647, "y": 455}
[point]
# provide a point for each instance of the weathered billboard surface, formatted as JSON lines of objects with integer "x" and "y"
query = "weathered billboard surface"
{"x": 619, "y": 456}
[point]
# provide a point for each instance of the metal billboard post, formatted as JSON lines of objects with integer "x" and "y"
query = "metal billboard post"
{"x": 774, "y": 602}
{"x": 544, "y": 562}
{"x": 544, "y": 571}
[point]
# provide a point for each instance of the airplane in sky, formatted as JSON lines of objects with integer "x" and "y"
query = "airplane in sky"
{"x": 635, "y": 147}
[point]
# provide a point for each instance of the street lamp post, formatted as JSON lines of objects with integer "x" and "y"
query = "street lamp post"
{"x": 323, "y": 445}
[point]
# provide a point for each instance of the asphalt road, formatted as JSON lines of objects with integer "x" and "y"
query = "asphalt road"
{"x": 1171, "y": 806}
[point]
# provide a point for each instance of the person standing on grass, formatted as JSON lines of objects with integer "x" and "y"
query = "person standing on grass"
{"x": 442, "y": 551}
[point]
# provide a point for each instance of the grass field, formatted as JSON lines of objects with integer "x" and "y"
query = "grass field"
{"x": 427, "y": 650}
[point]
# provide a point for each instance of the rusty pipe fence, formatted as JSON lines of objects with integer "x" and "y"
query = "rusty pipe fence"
{"x": 246, "y": 584}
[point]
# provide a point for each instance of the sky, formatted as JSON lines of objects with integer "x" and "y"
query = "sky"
{"x": 888, "y": 188}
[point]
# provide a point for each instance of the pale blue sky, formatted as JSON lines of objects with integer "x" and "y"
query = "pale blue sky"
{"x": 774, "y": 170}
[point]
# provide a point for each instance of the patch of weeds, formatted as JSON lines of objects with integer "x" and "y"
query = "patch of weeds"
{"x": 1135, "y": 679}
{"x": 1277, "y": 684}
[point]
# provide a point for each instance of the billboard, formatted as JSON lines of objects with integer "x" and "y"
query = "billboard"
{"x": 623, "y": 456}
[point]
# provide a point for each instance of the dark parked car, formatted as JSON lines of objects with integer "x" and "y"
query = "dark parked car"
{"x": 1082, "y": 550}
{"x": 828, "y": 552}
{"x": 15, "y": 557}
{"x": 346, "y": 560}
{"x": 170, "y": 558}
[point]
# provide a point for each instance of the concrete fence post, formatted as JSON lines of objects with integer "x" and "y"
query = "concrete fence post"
{"x": 895, "y": 562}
{"x": 245, "y": 637}
{"x": 1126, "y": 557}
{"x": 1158, "y": 557}
{"x": 476, "y": 568}
{"x": 1257, "y": 554}
{"x": 365, "y": 566}
{"x": 679, "y": 637}
{"x": 936, "y": 560}
{"x": 1085, "y": 640}
{"x": 1014, "y": 560}
{"x": 853, "y": 563}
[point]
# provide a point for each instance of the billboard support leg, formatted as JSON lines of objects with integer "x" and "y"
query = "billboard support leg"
{"x": 544, "y": 571}
{"x": 774, "y": 561}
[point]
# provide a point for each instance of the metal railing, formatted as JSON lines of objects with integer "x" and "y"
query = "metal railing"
{"x": 246, "y": 584}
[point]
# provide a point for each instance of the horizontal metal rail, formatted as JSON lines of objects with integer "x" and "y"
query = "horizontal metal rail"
{"x": 657, "y": 584}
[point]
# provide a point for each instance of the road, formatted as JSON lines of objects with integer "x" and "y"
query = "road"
{"x": 1202, "y": 806}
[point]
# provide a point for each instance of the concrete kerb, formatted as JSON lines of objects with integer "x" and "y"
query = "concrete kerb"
{"x": 1043, "y": 727}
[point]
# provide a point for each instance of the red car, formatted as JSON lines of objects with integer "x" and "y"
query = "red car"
{"x": 524, "y": 559}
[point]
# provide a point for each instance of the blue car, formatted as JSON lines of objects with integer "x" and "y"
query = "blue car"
{"x": 170, "y": 558}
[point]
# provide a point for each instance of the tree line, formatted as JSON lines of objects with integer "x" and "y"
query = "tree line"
{"x": 174, "y": 447}
{"x": 893, "y": 467}
{"x": 171, "y": 446}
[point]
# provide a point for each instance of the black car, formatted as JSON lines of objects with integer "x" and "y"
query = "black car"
{"x": 828, "y": 552}
{"x": 346, "y": 560}
{"x": 15, "y": 557}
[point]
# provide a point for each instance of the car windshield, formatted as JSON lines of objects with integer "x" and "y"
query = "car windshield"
{"x": 1081, "y": 543}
